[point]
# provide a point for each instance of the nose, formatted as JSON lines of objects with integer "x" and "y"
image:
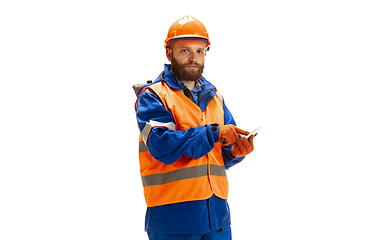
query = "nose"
{"x": 192, "y": 57}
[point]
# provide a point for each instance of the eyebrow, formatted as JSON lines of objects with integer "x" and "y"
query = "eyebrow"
{"x": 190, "y": 48}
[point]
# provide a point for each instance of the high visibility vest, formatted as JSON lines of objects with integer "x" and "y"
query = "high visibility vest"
{"x": 187, "y": 179}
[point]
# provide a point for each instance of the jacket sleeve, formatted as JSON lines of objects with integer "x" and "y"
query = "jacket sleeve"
{"x": 165, "y": 143}
{"x": 229, "y": 159}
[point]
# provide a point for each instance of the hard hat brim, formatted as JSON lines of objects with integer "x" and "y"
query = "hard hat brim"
{"x": 186, "y": 37}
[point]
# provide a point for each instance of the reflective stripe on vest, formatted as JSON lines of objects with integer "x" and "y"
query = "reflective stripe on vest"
{"x": 182, "y": 174}
{"x": 142, "y": 147}
{"x": 187, "y": 179}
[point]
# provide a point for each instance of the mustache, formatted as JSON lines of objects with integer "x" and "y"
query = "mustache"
{"x": 192, "y": 63}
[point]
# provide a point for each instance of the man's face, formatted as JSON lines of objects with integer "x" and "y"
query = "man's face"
{"x": 187, "y": 59}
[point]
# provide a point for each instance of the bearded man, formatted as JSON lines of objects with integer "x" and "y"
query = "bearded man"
{"x": 188, "y": 139}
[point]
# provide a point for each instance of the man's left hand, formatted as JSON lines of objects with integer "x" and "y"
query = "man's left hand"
{"x": 243, "y": 146}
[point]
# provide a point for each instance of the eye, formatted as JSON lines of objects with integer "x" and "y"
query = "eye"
{"x": 184, "y": 51}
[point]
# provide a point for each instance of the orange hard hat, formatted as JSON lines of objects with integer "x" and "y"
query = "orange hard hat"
{"x": 187, "y": 27}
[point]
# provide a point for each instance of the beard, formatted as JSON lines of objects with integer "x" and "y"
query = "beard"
{"x": 182, "y": 73}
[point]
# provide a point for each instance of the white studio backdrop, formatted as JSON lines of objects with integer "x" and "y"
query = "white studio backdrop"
{"x": 310, "y": 72}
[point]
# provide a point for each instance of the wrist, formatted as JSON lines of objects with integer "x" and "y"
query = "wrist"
{"x": 215, "y": 130}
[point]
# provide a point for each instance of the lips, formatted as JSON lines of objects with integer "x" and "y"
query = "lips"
{"x": 193, "y": 66}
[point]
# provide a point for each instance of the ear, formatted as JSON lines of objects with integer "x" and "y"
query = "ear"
{"x": 168, "y": 52}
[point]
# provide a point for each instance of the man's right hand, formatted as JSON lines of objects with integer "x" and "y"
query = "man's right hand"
{"x": 229, "y": 134}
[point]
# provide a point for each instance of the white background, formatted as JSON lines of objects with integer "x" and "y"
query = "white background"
{"x": 310, "y": 72}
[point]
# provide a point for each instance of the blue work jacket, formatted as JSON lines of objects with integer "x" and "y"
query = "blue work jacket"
{"x": 195, "y": 216}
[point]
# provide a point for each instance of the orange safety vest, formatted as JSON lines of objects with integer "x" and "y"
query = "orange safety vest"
{"x": 187, "y": 179}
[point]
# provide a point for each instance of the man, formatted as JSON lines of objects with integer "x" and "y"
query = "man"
{"x": 188, "y": 139}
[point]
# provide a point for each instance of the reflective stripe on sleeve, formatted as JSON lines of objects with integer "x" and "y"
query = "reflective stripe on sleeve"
{"x": 182, "y": 174}
{"x": 149, "y": 125}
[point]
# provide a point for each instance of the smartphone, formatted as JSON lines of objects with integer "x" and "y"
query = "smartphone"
{"x": 254, "y": 132}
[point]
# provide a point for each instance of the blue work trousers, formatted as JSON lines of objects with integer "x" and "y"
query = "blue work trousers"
{"x": 222, "y": 234}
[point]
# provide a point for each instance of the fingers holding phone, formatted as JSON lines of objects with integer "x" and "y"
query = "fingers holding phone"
{"x": 243, "y": 146}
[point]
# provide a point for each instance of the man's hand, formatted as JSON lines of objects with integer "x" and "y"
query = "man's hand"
{"x": 243, "y": 146}
{"x": 229, "y": 134}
